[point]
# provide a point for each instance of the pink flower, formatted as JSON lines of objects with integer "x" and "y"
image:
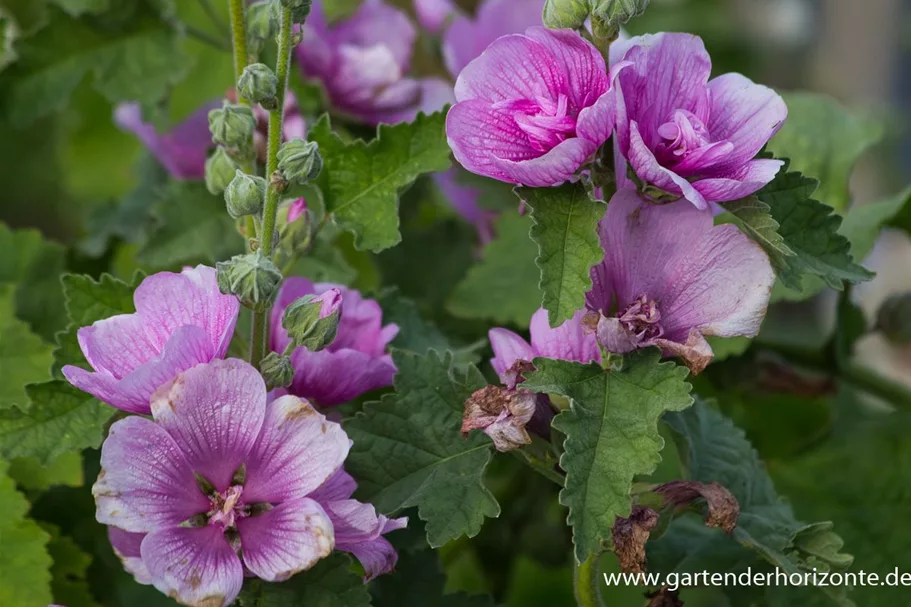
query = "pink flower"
{"x": 181, "y": 320}
{"x": 532, "y": 108}
{"x": 432, "y": 14}
{"x": 669, "y": 277}
{"x": 222, "y": 483}
{"x": 687, "y": 135}
{"x": 356, "y": 362}
{"x": 569, "y": 341}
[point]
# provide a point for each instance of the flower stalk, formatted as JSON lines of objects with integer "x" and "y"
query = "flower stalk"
{"x": 586, "y": 582}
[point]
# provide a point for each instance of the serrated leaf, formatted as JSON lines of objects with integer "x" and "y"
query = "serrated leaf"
{"x": 810, "y": 230}
{"x": 60, "y": 419}
{"x": 503, "y": 286}
{"x": 361, "y": 181}
{"x": 25, "y": 566}
{"x": 418, "y": 581}
{"x": 66, "y": 471}
{"x": 408, "y": 450}
{"x": 193, "y": 227}
{"x": 756, "y": 221}
{"x": 824, "y": 139}
{"x": 566, "y": 232}
{"x": 138, "y": 60}
{"x": 88, "y": 301}
{"x": 611, "y": 433}
{"x": 24, "y": 357}
{"x": 329, "y": 583}
{"x": 68, "y": 583}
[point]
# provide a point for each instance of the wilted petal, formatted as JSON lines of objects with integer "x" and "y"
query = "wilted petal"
{"x": 502, "y": 414}
{"x": 359, "y": 530}
{"x": 507, "y": 349}
{"x": 214, "y": 412}
{"x": 196, "y": 566}
{"x": 126, "y": 547}
{"x": 569, "y": 341}
{"x": 289, "y": 538}
{"x": 145, "y": 481}
{"x": 695, "y": 351}
{"x": 296, "y": 452}
{"x": 615, "y": 337}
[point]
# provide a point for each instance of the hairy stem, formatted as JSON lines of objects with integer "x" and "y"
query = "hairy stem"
{"x": 237, "y": 10}
{"x": 587, "y": 583}
{"x": 270, "y": 209}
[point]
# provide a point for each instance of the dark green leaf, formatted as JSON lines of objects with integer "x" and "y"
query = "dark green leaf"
{"x": 361, "y": 181}
{"x": 757, "y": 222}
{"x": 418, "y": 582}
{"x": 408, "y": 450}
{"x": 79, "y": 7}
{"x": 330, "y": 583}
{"x": 71, "y": 564}
{"x": 611, "y": 433}
{"x": 24, "y": 358}
{"x": 566, "y": 232}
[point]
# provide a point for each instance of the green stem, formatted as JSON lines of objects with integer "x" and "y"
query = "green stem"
{"x": 270, "y": 209}
{"x": 237, "y": 10}
{"x": 587, "y": 582}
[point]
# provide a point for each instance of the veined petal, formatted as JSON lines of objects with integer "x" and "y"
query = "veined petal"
{"x": 335, "y": 377}
{"x": 580, "y": 62}
{"x": 339, "y": 486}
{"x": 507, "y": 349}
{"x": 359, "y": 530}
{"x": 118, "y": 344}
{"x": 556, "y": 166}
{"x": 748, "y": 179}
{"x": 649, "y": 170}
{"x": 126, "y": 547}
{"x": 569, "y": 341}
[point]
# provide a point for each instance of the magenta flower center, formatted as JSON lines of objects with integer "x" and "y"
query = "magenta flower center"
{"x": 643, "y": 319}
{"x": 544, "y": 121}
{"x": 684, "y": 132}
{"x": 226, "y": 507}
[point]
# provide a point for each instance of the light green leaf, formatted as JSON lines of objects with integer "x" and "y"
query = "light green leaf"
{"x": 863, "y": 223}
{"x": 361, "y": 181}
{"x": 25, "y": 577}
{"x": 408, "y": 450}
{"x": 503, "y": 286}
{"x": 756, "y": 220}
{"x": 138, "y": 60}
{"x": 824, "y": 139}
{"x": 66, "y": 470}
{"x": 566, "y": 232}
{"x": 24, "y": 358}
{"x": 330, "y": 583}
{"x": 76, "y": 8}
{"x": 611, "y": 433}
{"x": 194, "y": 227}
{"x": 60, "y": 419}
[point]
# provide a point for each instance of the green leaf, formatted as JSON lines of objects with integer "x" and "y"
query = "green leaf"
{"x": 418, "y": 581}
{"x": 361, "y": 181}
{"x": 757, "y": 222}
{"x": 88, "y": 301}
{"x": 863, "y": 223}
{"x": 810, "y": 229}
{"x": 76, "y": 8}
{"x": 66, "y": 470}
{"x": 330, "y": 583}
{"x": 566, "y": 232}
{"x": 726, "y": 347}
{"x": 824, "y": 139}
{"x": 138, "y": 59}
{"x": 503, "y": 286}
{"x": 340, "y": 9}
{"x": 69, "y": 571}
{"x": 24, "y": 358}
{"x": 25, "y": 571}
{"x": 611, "y": 433}
{"x": 408, "y": 450}
{"x": 194, "y": 227}
{"x": 60, "y": 419}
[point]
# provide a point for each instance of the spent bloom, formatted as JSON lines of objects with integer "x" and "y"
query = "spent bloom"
{"x": 532, "y": 108}
{"x": 222, "y": 483}
{"x": 670, "y": 277}
{"x": 363, "y": 62}
{"x": 181, "y": 320}
{"x": 685, "y": 135}
{"x": 354, "y": 363}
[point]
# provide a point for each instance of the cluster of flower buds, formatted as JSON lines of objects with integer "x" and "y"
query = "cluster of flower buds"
{"x": 606, "y": 15}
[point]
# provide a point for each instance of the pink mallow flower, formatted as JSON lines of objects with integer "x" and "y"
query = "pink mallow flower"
{"x": 181, "y": 320}
{"x": 688, "y": 136}
{"x": 670, "y": 277}
{"x": 223, "y": 484}
{"x": 355, "y": 363}
{"x": 532, "y": 108}
{"x": 363, "y": 62}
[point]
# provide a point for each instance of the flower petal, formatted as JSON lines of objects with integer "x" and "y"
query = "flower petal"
{"x": 198, "y": 567}
{"x": 580, "y": 62}
{"x": 359, "y": 530}
{"x": 126, "y": 547}
{"x": 376, "y": 23}
{"x": 332, "y": 378}
{"x": 289, "y": 538}
{"x": 145, "y": 481}
{"x": 432, "y": 14}
{"x": 214, "y": 412}
{"x": 647, "y": 168}
{"x": 507, "y": 349}
{"x": 118, "y": 344}
{"x": 292, "y": 289}
{"x": 695, "y": 351}
{"x": 748, "y": 179}
{"x": 569, "y": 341}
{"x": 296, "y": 452}
{"x": 557, "y": 166}
{"x": 464, "y": 200}
{"x": 339, "y": 486}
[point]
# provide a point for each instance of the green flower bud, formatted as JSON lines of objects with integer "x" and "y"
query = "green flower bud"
{"x": 245, "y": 195}
{"x": 569, "y": 14}
{"x": 894, "y": 319}
{"x": 277, "y": 370}
{"x": 259, "y": 84}
{"x": 617, "y": 12}
{"x": 299, "y": 161}
{"x": 233, "y": 126}
{"x": 220, "y": 171}
{"x": 312, "y": 320}
{"x": 299, "y": 9}
{"x": 262, "y": 21}
{"x": 252, "y": 278}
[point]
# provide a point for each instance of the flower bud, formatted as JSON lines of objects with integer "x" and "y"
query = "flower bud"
{"x": 259, "y": 84}
{"x": 245, "y": 195}
{"x": 312, "y": 320}
{"x": 252, "y": 278}
{"x": 277, "y": 370}
{"x": 299, "y": 9}
{"x": 894, "y": 319}
{"x": 299, "y": 161}
{"x": 617, "y": 12}
{"x": 233, "y": 126}
{"x": 261, "y": 26}
{"x": 220, "y": 171}
{"x": 571, "y": 14}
